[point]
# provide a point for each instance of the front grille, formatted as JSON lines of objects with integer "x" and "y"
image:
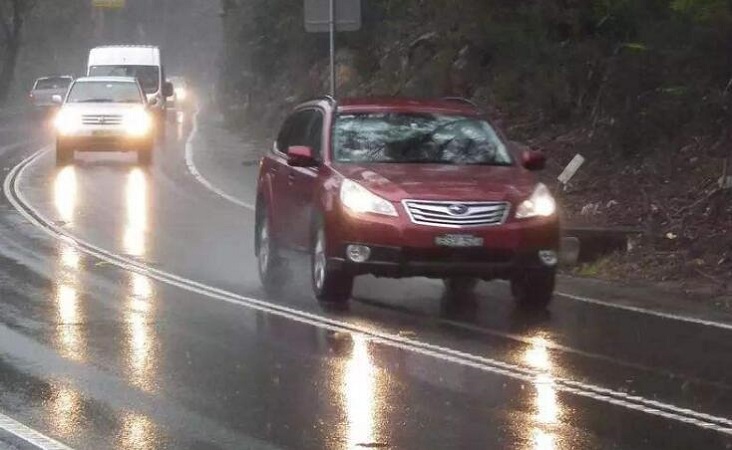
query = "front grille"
{"x": 101, "y": 119}
{"x": 456, "y": 214}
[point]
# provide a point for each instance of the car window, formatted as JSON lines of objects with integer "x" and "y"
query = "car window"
{"x": 53, "y": 83}
{"x": 104, "y": 92}
{"x": 148, "y": 76}
{"x": 297, "y": 130}
{"x": 417, "y": 138}
{"x": 315, "y": 133}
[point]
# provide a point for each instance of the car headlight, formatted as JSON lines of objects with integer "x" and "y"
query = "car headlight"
{"x": 181, "y": 93}
{"x": 137, "y": 123}
{"x": 67, "y": 122}
{"x": 540, "y": 204}
{"x": 360, "y": 200}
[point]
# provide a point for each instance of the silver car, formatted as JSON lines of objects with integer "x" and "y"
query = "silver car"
{"x": 104, "y": 114}
{"x": 45, "y": 88}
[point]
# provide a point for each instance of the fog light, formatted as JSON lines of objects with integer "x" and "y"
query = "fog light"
{"x": 358, "y": 253}
{"x": 548, "y": 257}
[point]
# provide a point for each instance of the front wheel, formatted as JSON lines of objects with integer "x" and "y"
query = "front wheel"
{"x": 270, "y": 264}
{"x": 533, "y": 289}
{"x": 64, "y": 153}
{"x": 329, "y": 284}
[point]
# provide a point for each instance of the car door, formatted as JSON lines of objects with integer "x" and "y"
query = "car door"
{"x": 276, "y": 170}
{"x": 302, "y": 181}
{"x": 288, "y": 199}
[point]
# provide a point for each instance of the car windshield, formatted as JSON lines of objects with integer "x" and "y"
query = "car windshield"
{"x": 417, "y": 138}
{"x": 104, "y": 92}
{"x": 56, "y": 83}
{"x": 148, "y": 76}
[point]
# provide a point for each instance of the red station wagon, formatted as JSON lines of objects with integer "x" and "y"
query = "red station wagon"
{"x": 404, "y": 188}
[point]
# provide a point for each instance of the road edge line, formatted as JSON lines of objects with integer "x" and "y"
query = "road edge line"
{"x": 29, "y": 435}
{"x": 190, "y": 163}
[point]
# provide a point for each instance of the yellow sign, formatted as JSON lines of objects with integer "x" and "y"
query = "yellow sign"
{"x": 112, "y": 4}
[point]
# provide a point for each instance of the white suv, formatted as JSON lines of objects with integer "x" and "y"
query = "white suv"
{"x": 104, "y": 114}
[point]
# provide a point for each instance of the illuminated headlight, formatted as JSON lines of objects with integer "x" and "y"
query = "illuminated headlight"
{"x": 360, "y": 200}
{"x": 137, "y": 123}
{"x": 67, "y": 122}
{"x": 540, "y": 204}
{"x": 181, "y": 93}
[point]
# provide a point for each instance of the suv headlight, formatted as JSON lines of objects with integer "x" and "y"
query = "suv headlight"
{"x": 137, "y": 123}
{"x": 540, "y": 204}
{"x": 360, "y": 200}
{"x": 67, "y": 122}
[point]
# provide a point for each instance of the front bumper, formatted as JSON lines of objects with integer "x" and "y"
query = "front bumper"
{"x": 394, "y": 262}
{"x": 110, "y": 141}
{"x": 400, "y": 248}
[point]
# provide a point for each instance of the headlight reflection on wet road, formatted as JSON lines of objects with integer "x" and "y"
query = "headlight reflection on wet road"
{"x": 140, "y": 308}
{"x": 547, "y": 409}
{"x": 136, "y": 201}
{"x": 360, "y": 392}
{"x": 65, "y": 193}
{"x": 138, "y": 433}
{"x": 65, "y": 411}
{"x": 68, "y": 338}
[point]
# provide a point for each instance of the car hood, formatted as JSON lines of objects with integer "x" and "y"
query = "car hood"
{"x": 439, "y": 182}
{"x": 102, "y": 108}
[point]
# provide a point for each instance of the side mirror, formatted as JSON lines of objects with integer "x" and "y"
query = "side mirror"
{"x": 56, "y": 99}
{"x": 168, "y": 90}
{"x": 533, "y": 159}
{"x": 301, "y": 156}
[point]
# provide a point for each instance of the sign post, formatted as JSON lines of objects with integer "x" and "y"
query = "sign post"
{"x": 332, "y": 31}
{"x": 332, "y": 16}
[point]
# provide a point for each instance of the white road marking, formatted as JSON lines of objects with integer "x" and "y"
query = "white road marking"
{"x": 635, "y": 309}
{"x": 681, "y": 318}
{"x": 197, "y": 174}
{"x": 30, "y": 435}
{"x": 445, "y": 354}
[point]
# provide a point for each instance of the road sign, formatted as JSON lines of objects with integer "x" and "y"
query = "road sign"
{"x": 571, "y": 169}
{"x": 347, "y": 15}
{"x": 108, "y": 4}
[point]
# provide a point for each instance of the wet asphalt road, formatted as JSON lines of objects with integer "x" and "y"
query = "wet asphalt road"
{"x": 168, "y": 341}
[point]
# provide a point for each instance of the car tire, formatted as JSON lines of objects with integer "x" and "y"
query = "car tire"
{"x": 460, "y": 287}
{"x": 145, "y": 155}
{"x": 270, "y": 264}
{"x": 533, "y": 289}
{"x": 330, "y": 285}
{"x": 64, "y": 154}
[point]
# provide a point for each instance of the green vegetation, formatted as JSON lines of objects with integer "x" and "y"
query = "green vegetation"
{"x": 640, "y": 71}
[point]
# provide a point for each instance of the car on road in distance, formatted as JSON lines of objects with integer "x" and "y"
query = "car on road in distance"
{"x": 45, "y": 88}
{"x": 404, "y": 188}
{"x": 182, "y": 97}
{"x": 144, "y": 62}
{"x": 104, "y": 114}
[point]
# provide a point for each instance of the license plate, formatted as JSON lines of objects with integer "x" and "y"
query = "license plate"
{"x": 104, "y": 133}
{"x": 459, "y": 240}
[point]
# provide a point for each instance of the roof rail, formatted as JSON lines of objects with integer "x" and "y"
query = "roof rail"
{"x": 461, "y": 100}
{"x": 329, "y": 98}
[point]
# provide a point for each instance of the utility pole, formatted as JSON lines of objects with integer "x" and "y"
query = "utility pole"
{"x": 332, "y": 27}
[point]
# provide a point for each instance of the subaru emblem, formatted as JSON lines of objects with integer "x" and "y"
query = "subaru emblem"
{"x": 458, "y": 209}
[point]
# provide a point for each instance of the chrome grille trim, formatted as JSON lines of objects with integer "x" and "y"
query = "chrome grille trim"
{"x": 437, "y": 214}
{"x": 101, "y": 119}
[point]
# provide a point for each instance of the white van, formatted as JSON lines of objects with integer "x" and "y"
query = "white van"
{"x": 140, "y": 61}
